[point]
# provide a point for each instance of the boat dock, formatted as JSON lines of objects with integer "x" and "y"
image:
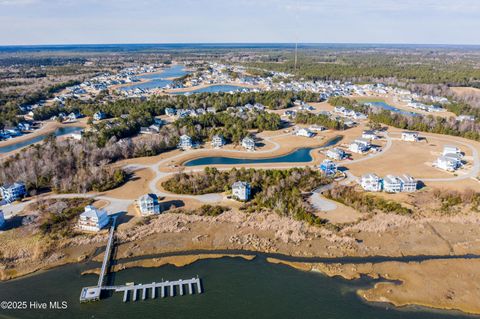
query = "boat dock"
{"x": 167, "y": 288}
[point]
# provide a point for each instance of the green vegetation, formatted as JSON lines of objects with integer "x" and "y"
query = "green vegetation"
{"x": 365, "y": 203}
{"x": 281, "y": 191}
{"x": 455, "y": 202}
{"x": 60, "y": 216}
{"x": 319, "y": 119}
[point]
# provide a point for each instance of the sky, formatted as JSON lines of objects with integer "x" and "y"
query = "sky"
{"x": 24, "y": 22}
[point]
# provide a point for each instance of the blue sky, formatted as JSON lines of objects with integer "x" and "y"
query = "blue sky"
{"x": 185, "y": 21}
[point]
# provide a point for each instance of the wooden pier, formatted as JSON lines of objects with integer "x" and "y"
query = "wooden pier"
{"x": 167, "y": 288}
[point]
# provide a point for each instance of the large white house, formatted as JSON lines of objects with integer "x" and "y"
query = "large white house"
{"x": 328, "y": 167}
{"x": 304, "y": 132}
{"x": 248, "y": 143}
{"x": 359, "y": 146}
{"x": 93, "y": 219}
{"x": 392, "y": 184}
{"x": 369, "y": 135}
{"x": 410, "y": 136}
{"x": 185, "y": 142}
{"x": 13, "y": 192}
{"x": 217, "y": 141}
{"x": 449, "y": 149}
{"x": 241, "y": 191}
{"x": 409, "y": 184}
{"x": 447, "y": 163}
{"x": 336, "y": 154}
{"x": 148, "y": 205}
{"x": 371, "y": 182}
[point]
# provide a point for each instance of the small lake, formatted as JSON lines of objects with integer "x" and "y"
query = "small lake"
{"x": 386, "y": 106}
{"x": 301, "y": 155}
{"x": 233, "y": 288}
{"x": 215, "y": 89}
{"x": 157, "y": 80}
{"x": 58, "y": 132}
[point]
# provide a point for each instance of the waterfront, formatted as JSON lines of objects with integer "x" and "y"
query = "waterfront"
{"x": 233, "y": 288}
{"x": 61, "y": 131}
{"x": 157, "y": 80}
{"x": 214, "y": 89}
{"x": 388, "y": 107}
{"x": 301, "y": 155}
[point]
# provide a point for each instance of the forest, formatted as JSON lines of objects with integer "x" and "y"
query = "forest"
{"x": 280, "y": 191}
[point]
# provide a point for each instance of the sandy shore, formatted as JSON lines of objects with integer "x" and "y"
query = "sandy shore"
{"x": 449, "y": 284}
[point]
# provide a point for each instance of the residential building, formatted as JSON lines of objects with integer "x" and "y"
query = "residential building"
{"x": 148, "y": 205}
{"x": 449, "y": 149}
{"x": 328, "y": 167}
{"x": 304, "y": 132}
{"x": 241, "y": 191}
{"x": 371, "y": 182}
{"x": 447, "y": 164}
{"x": 359, "y": 146}
{"x": 2, "y": 219}
{"x": 317, "y": 128}
{"x": 98, "y": 116}
{"x": 93, "y": 219}
{"x": 410, "y": 136}
{"x": 170, "y": 111}
{"x": 336, "y": 154}
{"x": 409, "y": 184}
{"x": 185, "y": 142}
{"x": 77, "y": 135}
{"x": 462, "y": 118}
{"x": 392, "y": 184}
{"x": 248, "y": 143}
{"x": 13, "y": 192}
{"x": 217, "y": 141}
{"x": 369, "y": 135}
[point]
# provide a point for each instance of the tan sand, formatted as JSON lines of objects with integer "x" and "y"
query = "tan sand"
{"x": 135, "y": 187}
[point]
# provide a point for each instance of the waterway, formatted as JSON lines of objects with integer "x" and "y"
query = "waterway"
{"x": 300, "y": 155}
{"x": 386, "y": 106}
{"x": 157, "y": 80}
{"x": 58, "y": 132}
{"x": 233, "y": 288}
{"x": 214, "y": 89}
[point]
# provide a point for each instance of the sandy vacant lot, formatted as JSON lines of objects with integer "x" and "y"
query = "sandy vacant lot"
{"x": 136, "y": 187}
{"x": 464, "y": 91}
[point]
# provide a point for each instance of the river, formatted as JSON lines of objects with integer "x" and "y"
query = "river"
{"x": 233, "y": 288}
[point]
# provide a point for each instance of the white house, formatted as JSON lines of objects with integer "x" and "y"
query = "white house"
{"x": 317, "y": 128}
{"x": 13, "y": 192}
{"x": 409, "y": 184}
{"x": 304, "y": 132}
{"x": 369, "y": 135}
{"x": 217, "y": 141}
{"x": 170, "y": 111}
{"x": 328, "y": 167}
{"x": 392, "y": 184}
{"x": 410, "y": 136}
{"x": 336, "y": 154}
{"x": 241, "y": 191}
{"x": 99, "y": 116}
{"x": 185, "y": 142}
{"x": 359, "y": 146}
{"x": 248, "y": 143}
{"x": 371, "y": 182}
{"x": 77, "y": 135}
{"x": 449, "y": 149}
{"x": 93, "y": 219}
{"x": 447, "y": 163}
{"x": 148, "y": 205}
{"x": 2, "y": 220}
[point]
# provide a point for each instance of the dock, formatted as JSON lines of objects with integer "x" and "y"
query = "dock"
{"x": 167, "y": 288}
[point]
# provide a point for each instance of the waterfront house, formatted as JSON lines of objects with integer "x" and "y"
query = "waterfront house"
{"x": 336, "y": 154}
{"x": 185, "y": 142}
{"x": 371, "y": 182}
{"x": 13, "y": 192}
{"x": 409, "y": 184}
{"x": 369, "y": 135}
{"x": 93, "y": 219}
{"x": 217, "y": 141}
{"x": 392, "y": 184}
{"x": 170, "y": 111}
{"x": 290, "y": 114}
{"x": 447, "y": 163}
{"x": 98, "y": 116}
{"x": 2, "y": 219}
{"x": 148, "y": 205}
{"x": 241, "y": 191}
{"x": 328, "y": 167}
{"x": 304, "y": 132}
{"x": 248, "y": 143}
{"x": 410, "y": 136}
